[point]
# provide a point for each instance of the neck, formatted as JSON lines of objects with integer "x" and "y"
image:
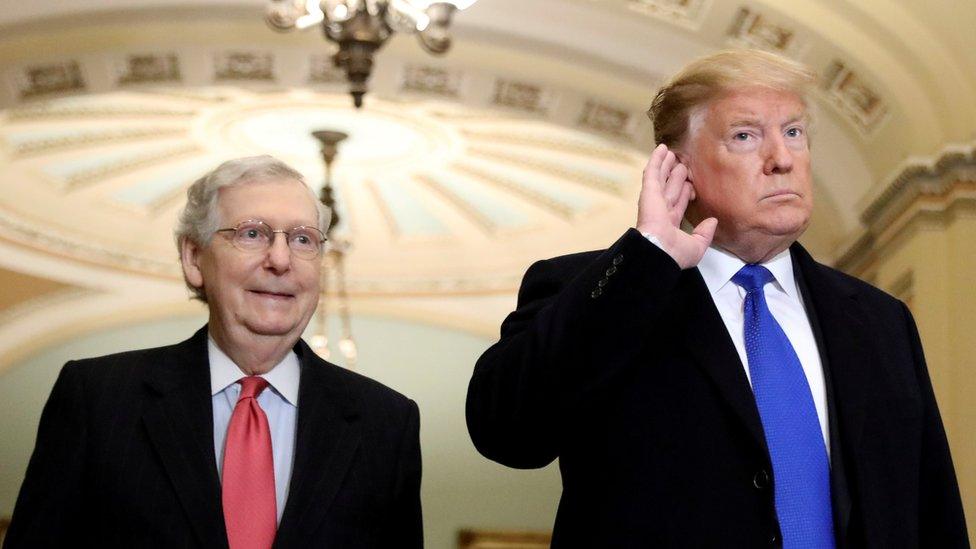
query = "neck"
{"x": 253, "y": 354}
{"x": 754, "y": 252}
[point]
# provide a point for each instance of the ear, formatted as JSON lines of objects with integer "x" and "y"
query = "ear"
{"x": 190, "y": 259}
{"x": 684, "y": 159}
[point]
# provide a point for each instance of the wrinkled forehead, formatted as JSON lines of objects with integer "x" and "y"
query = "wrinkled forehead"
{"x": 749, "y": 105}
{"x": 287, "y": 199}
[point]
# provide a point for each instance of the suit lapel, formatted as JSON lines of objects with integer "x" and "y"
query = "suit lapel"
{"x": 708, "y": 340}
{"x": 842, "y": 331}
{"x": 846, "y": 339}
{"x": 326, "y": 441}
{"x": 179, "y": 420}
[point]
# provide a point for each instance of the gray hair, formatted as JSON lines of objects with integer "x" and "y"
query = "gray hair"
{"x": 200, "y": 218}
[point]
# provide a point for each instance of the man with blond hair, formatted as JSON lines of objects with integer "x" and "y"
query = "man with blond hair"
{"x": 717, "y": 387}
{"x": 240, "y": 436}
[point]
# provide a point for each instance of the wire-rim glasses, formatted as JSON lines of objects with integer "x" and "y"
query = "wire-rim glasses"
{"x": 254, "y": 235}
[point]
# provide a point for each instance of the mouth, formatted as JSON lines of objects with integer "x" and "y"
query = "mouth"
{"x": 781, "y": 195}
{"x": 277, "y": 296}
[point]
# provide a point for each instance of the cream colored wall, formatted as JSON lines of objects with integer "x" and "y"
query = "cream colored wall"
{"x": 938, "y": 251}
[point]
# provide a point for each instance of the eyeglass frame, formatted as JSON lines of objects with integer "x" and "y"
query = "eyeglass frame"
{"x": 287, "y": 232}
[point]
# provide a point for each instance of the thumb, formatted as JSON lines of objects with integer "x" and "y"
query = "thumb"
{"x": 705, "y": 231}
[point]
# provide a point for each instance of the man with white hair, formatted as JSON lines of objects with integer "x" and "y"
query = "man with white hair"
{"x": 241, "y": 436}
{"x": 718, "y": 387}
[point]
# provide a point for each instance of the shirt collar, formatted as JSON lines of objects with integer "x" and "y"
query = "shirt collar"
{"x": 283, "y": 378}
{"x": 718, "y": 266}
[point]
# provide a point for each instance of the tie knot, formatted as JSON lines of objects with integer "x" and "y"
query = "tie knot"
{"x": 251, "y": 386}
{"x": 752, "y": 277}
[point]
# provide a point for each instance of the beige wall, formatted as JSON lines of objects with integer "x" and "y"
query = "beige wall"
{"x": 924, "y": 252}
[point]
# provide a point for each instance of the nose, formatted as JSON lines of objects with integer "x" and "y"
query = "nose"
{"x": 278, "y": 258}
{"x": 778, "y": 157}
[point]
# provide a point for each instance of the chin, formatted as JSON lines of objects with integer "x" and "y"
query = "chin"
{"x": 266, "y": 328}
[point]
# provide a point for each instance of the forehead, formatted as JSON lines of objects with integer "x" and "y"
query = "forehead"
{"x": 756, "y": 104}
{"x": 271, "y": 200}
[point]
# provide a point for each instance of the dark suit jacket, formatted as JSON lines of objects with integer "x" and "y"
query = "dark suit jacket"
{"x": 618, "y": 363}
{"x": 125, "y": 458}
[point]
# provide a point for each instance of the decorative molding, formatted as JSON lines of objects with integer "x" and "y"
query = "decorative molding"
{"x": 523, "y": 96}
{"x": 244, "y": 65}
{"x": 48, "y": 110}
{"x": 431, "y": 80}
{"x": 547, "y": 202}
{"x": 523, "y": 140}
{"x": 472, "y": 213}
{"x": 133, "y": 162}
{"x": 752, "y": 29}
{"x": 44, "y": 145}
{"x": 361, "y": 287}
{"x": 49, "y": 79}
{"x": 48, "y": 240}
{"x": 384, "y": 208}
{"x": 148, "y": 68}
{"x": 549, "y": 168}
{"x": 920, "y": 177}
{"x": 934, "y": 191}
{"x": 857, "y": 256}
{"x": 903, "y": 287}
{"x": 605, "y": 119}
{"x": 850, "y": 93}
{"x": 684, "y": 13}
{"x": 52, "y": 299}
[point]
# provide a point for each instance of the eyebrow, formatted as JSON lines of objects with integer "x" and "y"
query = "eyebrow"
{"x": 739, "y": 122}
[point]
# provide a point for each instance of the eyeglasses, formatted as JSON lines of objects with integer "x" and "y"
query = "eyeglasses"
{"x": 256, "y": 236}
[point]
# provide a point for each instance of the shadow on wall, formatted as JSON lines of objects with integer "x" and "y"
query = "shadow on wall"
{"x": 432, "y": 365}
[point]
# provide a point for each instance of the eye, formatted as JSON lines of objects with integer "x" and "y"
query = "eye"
{"x": 741, "y": 136}
{"x": 251, "y": 234}
{"x": 303, "y": 239}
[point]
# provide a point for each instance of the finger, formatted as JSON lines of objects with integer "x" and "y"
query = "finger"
{"x": 705, "y": 231}
{"x": 676, "y": 181}
{"x": 653, "y": 167}
{"x": 681, "y": 204}
{"x": 669, "y": 161}
{"x": 677, "y": 211}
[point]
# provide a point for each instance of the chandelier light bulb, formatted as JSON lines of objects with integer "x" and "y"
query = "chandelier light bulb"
{"x": 348, "y": 348}
{"x": 320, "y": 344}
{"x": 313, "y": 15}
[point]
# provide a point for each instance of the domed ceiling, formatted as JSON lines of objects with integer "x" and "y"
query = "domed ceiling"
{"x": 434, "y": 196}
{"x": 526, "y": 141}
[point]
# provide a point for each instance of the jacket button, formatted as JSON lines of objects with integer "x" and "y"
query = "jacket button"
{"x": 774, "y": 540}
{"x": 602, "y": 282}
{"x": 596, "y": 293}
{"x": 761, "y": 480}
{"x": 611, "y": 271}
{"x": 618, "y": 260}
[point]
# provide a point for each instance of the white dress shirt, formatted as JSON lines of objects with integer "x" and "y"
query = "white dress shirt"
{"x": 279, "y": 402}
{"x": 718, "y": 267}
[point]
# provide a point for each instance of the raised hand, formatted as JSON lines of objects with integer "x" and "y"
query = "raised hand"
{"x": 665, "y": 193}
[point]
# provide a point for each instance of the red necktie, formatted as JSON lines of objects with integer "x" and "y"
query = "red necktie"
{"x": 250, "y": 512}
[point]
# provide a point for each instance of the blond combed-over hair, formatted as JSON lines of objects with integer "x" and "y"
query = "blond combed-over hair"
{"x": 716, "y": 75}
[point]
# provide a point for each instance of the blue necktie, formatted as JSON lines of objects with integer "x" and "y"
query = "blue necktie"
{"x": 801, "y": 474}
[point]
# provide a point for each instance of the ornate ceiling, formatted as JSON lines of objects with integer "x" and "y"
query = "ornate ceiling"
{"x": 436, "y": 197}
{"x": 525, "y": 141}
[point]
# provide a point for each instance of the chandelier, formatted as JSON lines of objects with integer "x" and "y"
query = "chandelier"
{"x": 361, "y": 27}
{"x": 333, "y": 273}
